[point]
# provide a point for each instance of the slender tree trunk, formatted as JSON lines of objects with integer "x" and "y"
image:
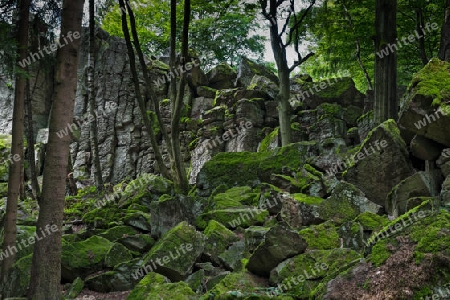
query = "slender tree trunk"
{"x": 180, "y": 178}
{"x": 30, "y": 143}
{"x": 93, "y": 125}
{"x": 147, "y": 122}
{"x": 386, "y": 103}
{"x": 419, "y": 28}
{"x": 284, "y": 108}
{"x": 444, "y": 51}
{"x": 46, "y": 267}
{"x": 15, "y": 168}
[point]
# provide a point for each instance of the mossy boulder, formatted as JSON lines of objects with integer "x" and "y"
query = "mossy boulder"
{"x": 123, "y": 277}
{"x": 169, "y": 211}
{"x": 18, "y": 280}
{"x": 304, "y": 275}
{"x": 80, "y": 259}
{"x": 371, "y": 221}
{"x": 338, "y": 90}
{"x": 117, "y": 254}
{"x": 231, "y": 258}
{"x": 240, "y": 285}
{"x": 218, "y": 238}
{"x": 248, "y": 69}
{"x": 139, "y": 220}
{"x": 346, "y": 203}
{"x": 155, "y": 286}
{"x": 75, "y": 288}
{"x": 321, "y": 237}
{"x": 145, "y": 189}
{"x": 116, "y": 233}
{"x": 401, "y": 224}
{"x": 233, "y": 217}
{"x": 270, "y": 141}
{"x": 25, "y": 235}
{"x": 426, "y": 111}
{"x": 104, "y": 217}
{"x": 250, "y": 168}
{"x": 351, "y": 235}
{"x": 139, "y": 242}
{"x": 264, "y": 84}
{"x": 253, "y": 237}
{"x": 301, "y": 210}
{"x": 279, "y": 243}
{"x": 417, "y": 185}
{"x": 372, "y": 155}
{"x": 176, "y": 252}
{"x": 236, "y": 197}
{"x": 221, "y": 77}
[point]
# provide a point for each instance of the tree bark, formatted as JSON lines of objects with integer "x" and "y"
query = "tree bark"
{"x": 46, "y": 266}
{"x": 15, "y": 167}
{"x": 279, "y": 52}
{"x": 419, "y": 28}
{"x": 444, "y": 51}
{"x": 91, "y": 95}
{"x": 180, "y": 178}
{"x": 35, "y": 190}
{"x": 386, "y": 103}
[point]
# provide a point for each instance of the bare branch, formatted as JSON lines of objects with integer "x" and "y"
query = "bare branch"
{"x": 300, "y": 21}
{"x": 301, "y": 61}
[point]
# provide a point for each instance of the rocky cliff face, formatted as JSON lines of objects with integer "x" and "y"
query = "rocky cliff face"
{"x": 226, "y": 111}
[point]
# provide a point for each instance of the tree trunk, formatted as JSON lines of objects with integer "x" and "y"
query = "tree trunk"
{"x": 46, "y": 266}
{"x": 386, "y": 103}
{"x": 35, "y": 190}
{"x": 91, "y": 95}
{"x": 284, "y": 108}
{"x": 180, "y": 178}
{"x": 15, "y": 167}
{"x": 419, "y": 28}
{"x": 444, "y": 51}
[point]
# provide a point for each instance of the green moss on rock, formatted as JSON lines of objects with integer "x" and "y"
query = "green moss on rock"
{"x": 117, "y": 254}
{"x": 155, "y": 286}
{"x": 233, "y": 217}
{"x": 182, "y": 245}
{"x": 321, "y": 237}
{"x": 371, "y": 221}
{"x": 236, "y": 197}
{"x": 115, "y": 233}
{"x": 82, "y": 258}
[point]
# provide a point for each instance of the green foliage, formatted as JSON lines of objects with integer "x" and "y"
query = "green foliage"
{"x": 219, "y": 31}
{"x": 333, "y": 38}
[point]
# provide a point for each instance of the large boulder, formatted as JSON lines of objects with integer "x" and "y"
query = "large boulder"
{"x": 301, "y": 210}
{"x": 155, "y": 286}
{"x": 426, "y": 111}
{"x": 417, "y": 185}
{"x": 83, "y": 258}
{"x": 169, "y": 211}
{"x": 380, "y": 163}
{"x": 175, "y": 254}
{"x": 249, "y": 168}
{"x": 346, "y": 203}
{"x": 280, "y": 243}
{"x": 302, "y": 274}
{"x": 221, "y": 77}
{"x": 339, "y": 90}
{"x": 248, "y": 69}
